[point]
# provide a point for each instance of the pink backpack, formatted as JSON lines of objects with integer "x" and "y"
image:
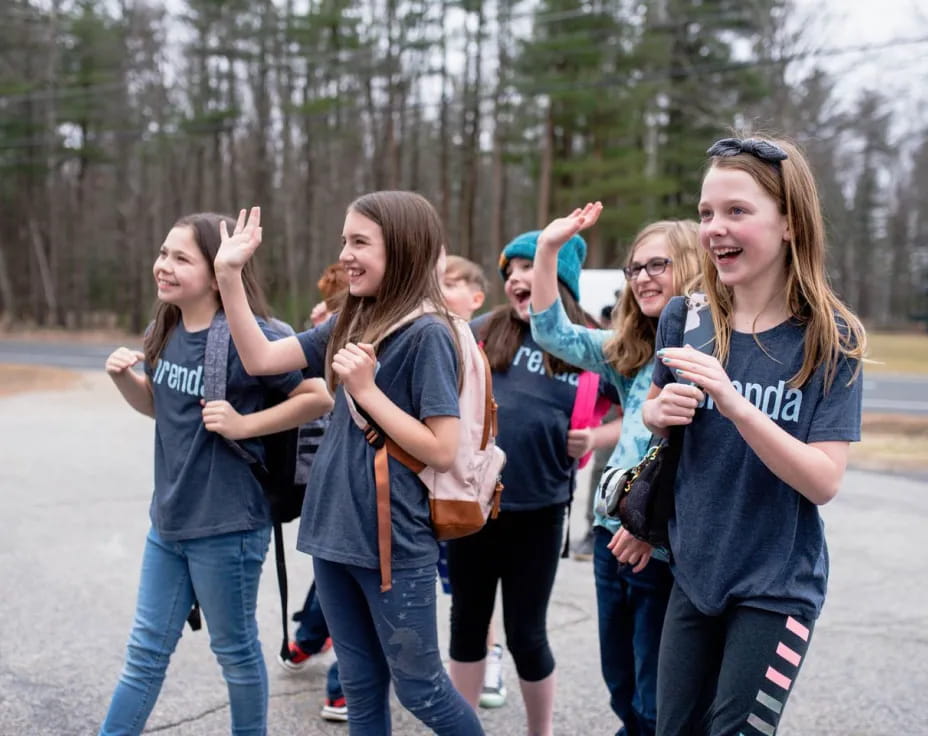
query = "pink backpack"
{"x": 589, "y": 407}
{"x": 461, "y": 499}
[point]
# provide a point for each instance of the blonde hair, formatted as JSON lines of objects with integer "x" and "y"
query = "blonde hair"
{"x": 810, "y": 299}
{"x": 631, "y": 345}
{"x": 460, "y": 268}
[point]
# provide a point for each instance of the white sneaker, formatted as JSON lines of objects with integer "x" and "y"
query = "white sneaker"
{"x": 494, "y": 691}
{"x": 335, "y": 709}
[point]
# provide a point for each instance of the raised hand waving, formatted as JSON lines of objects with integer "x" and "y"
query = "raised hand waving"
{"x": 236, "y": 249}
{"x": 562, "y": 229}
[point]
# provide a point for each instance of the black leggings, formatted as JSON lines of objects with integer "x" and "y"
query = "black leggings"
{"x": 726, "y": 675}
{"x": 521, "y": 549}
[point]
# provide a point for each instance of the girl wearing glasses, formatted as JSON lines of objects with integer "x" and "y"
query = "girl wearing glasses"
{"x": 632, "y": 594}
{"x": 767, "y": 443}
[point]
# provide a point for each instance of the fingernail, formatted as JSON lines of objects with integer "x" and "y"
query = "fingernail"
{"x": 678, "y": 371}
{"x": 665, "y": 359}
{"x": 662, "y": 351}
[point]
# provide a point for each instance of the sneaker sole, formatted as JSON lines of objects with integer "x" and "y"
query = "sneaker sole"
{"x": 334, "y": 716}
{"x": 492, "y": 700}
{"x": 291, "y": 666}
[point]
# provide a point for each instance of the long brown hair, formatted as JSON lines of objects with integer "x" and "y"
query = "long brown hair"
{"x": 412, "y": 236}
{"x": 810, "y": 299}
{"x": 503, "y": 332}
{"x": 205, "y": 229}
{"x": 631, "y": 345}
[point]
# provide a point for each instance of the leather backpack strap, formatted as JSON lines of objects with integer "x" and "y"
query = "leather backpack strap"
{"x": 490, "y": 423}
{"x": 384, "y": 448}
{"x": 398, "y": 453}
{"x": 384, "y": 521}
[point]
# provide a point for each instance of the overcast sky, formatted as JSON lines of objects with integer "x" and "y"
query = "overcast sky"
{"x": 901, "y": 72}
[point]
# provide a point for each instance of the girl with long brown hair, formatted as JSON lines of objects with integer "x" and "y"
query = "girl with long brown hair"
{"x": 391, "y": 242}
{"x": 769, "y": 419}
{"x": 210, "y": 521}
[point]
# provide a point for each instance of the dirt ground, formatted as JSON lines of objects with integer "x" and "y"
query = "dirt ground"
{"x": 86, "y": 337}
{"x": 895, "y": 442}
{"x": 16, "y": 379}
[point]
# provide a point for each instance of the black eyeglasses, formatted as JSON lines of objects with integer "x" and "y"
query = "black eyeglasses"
{"x": 654, "y": 267}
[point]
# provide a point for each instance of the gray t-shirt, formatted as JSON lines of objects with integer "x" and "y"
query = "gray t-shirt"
{"x": 534, "y": 418}
{"x": 740, "y": 534}
{"x": 418, "y": 372}
{"x": 202, "y": 488}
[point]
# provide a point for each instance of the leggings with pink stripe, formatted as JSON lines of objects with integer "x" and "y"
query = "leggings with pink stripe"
{"x": 726, "y": 675}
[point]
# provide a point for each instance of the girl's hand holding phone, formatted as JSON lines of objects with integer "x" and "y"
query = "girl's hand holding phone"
{"x": 705, "y": 371}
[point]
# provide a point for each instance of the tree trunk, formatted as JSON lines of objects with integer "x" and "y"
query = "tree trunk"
{"x": 543, "y": 211}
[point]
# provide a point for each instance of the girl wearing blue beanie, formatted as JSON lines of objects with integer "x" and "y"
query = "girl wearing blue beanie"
{"x": 631, "y": 592}
{"x": 520, "y": 549}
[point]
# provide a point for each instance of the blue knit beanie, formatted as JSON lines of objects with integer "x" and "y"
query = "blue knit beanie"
{"x": 569, "y": 258}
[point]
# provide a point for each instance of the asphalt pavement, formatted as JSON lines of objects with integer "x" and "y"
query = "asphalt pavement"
{"x": 76, "y": 480}
{"x": 884, "y": 393}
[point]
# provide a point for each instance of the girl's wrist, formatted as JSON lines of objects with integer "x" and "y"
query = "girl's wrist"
{"x": 226, "y": 273}
{"x": 739, "y": 410}
{"x": 244, "y": 429}
{"x": 547, "y": 246}
{"x": 646, "y": 415}
{"x": 364, "y": 394}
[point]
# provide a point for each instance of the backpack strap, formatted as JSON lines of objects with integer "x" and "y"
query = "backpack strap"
{"x": 589, "y": 407}
{"x": 699, "y": 332}
{"x": 216, "y": 373}
{"x": 215, "y": 381}
{"x": 490, "y": 409}
{"x": 384, "y": 448}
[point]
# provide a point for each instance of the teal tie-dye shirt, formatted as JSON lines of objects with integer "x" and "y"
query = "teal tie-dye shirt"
{"x": 583, "y": 347}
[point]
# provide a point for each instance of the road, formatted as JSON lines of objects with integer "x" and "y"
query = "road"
{"x": 76, "y": 479}
{"x": 882, "y": 393}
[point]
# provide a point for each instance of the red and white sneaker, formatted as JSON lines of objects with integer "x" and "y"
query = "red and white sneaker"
{"x": 298, "y": 658}
{"x": 335, "y": 709}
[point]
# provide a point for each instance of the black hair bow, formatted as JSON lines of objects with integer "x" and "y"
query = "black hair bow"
{"x": 765, "y": 151}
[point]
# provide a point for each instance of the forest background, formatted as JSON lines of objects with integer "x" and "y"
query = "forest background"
{"x": 118, "y": 116}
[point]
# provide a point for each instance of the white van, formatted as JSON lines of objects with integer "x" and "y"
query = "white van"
{"x": 599, "y": 288}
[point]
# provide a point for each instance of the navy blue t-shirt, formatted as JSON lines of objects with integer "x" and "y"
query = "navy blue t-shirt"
{"x": 534, "y": 418}
{"x": 202, "y": 488}
{"x": 418, "y": 372}
{"x": 740, "y": 534}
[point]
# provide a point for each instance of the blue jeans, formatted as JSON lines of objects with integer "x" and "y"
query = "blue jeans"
{"x": 631, "y": 617}
{"x": 222, "y": 573}
{"x": 393, "y": 635}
